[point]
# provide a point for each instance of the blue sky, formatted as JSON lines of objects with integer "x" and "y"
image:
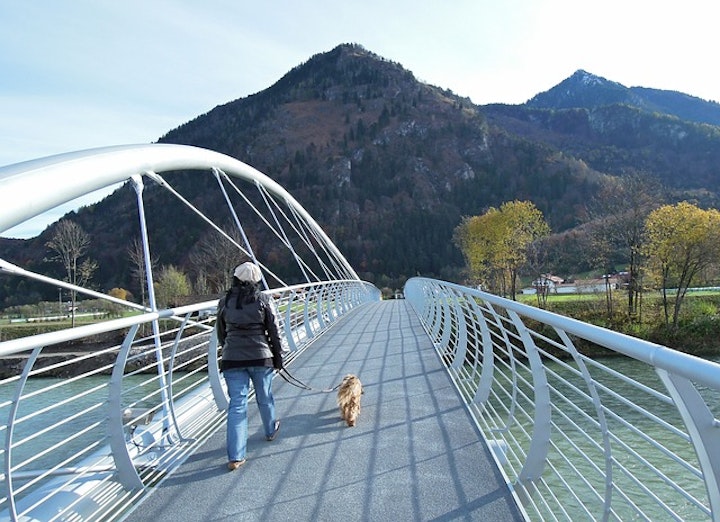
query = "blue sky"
{"x": 78, "y": 74}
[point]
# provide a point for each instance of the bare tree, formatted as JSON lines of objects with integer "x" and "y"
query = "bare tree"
{"x": 213, "y": 260}
{"x": 601, "y": 249}
{"x": 619, "y": 213}
{"x": 137, "y": 258}
{"x": 70, "y": 242}
{"x": 537, "y": 264}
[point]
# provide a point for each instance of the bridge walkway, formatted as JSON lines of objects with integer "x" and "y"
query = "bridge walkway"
{"x": 415, "y": 453}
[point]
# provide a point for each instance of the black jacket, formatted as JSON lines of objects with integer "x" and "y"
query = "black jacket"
{"x": 249, "y": 331}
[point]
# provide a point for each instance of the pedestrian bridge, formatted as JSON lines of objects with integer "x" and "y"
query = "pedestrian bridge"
{"x": 475, "y": 407}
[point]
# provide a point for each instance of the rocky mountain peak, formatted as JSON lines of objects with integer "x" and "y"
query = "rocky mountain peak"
{"x": 586, "y": 79}
{"x": 582, "y": 89}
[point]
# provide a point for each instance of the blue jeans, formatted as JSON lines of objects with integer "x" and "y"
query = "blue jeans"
{"x": 238, "y": 386}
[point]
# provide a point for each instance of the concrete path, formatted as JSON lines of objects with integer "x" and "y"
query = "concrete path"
{"x": 415, "y": 453}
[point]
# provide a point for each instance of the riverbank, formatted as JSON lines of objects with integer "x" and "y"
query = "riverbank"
{"x": 697, "y": 333}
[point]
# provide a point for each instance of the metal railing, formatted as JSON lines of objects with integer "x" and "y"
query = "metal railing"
{"x": 99, "y": 413}
{"x": 630, "y": 436}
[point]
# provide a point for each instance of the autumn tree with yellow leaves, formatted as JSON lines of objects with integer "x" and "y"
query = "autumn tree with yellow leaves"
{"x": 681, "y": 241}
{"x": 495, "y": 244}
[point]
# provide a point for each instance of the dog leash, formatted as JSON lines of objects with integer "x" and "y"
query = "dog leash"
{"x": 291, "y": 379}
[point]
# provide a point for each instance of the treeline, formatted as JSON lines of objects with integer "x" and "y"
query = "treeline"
{"x": 389, "y": 166}
{"x": 665, "y": 247}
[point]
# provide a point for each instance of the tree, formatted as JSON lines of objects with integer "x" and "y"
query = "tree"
{"x": 618, "y": 214}
{"x": 213, "y": 259}
{"x": 475, "y": 246}
{"x": 70, "y": 242}
{"x": 524, "y": 224}
{"x": 537, "y": 263}
{"x": 682, "y": 240}
{"x": 119, "y": 293}
{"x": 171, "y": 285}
{"x": 137, "y": 258}
{"x": 495, "y": 245}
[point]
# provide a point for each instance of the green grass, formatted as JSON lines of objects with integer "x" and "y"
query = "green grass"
{"x": 698, "y": 331}
{"x": 560, "y": 298}
{"x": 15, "y": 330}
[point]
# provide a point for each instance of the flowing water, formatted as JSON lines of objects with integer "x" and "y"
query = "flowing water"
{"x": 91, "y": 395}
{"x": 50, "y": 430}
{"x": 650, "y": 415}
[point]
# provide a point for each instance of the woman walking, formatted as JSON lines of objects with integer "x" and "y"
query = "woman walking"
{"x": 248, "y": 332}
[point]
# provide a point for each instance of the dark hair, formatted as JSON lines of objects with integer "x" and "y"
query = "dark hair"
{"x": 248, "y": 292}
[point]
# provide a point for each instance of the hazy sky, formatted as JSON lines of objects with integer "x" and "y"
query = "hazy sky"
{"x": 78, "y": 74}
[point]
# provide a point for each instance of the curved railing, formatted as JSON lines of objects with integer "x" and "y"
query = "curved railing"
{"x": 632, "y": 435}
{"x": 96, "y": 414}
{"x": 92, "y": 423}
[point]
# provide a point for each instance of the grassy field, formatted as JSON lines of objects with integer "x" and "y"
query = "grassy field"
{"x": 14, "y": 328}
{"x": 698, "y": 330}
{"x": 617, "y": 296}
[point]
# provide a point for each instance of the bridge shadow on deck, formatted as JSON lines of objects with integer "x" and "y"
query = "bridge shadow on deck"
{"x": 415, "y": 453}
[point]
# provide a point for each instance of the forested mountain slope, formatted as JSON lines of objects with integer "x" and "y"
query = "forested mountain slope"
{"x": 388, "y": 165}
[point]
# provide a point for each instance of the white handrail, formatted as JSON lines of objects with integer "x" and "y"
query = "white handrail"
{"x": 134, "y": 406}
{"x": 117, "y": 386}
{"x": 629, "y": 437}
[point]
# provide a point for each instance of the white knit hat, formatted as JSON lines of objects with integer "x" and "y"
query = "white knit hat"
{"x": 248, "y": 272}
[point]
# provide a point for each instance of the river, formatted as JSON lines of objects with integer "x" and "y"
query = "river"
{"x": 88, "y": 431}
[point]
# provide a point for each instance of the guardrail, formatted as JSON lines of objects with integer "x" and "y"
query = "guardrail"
{"x": 632, "y": 436}
{"x": 97, "y": 414}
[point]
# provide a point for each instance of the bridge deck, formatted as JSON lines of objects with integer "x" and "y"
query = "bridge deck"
{"x": 415, "y": 453}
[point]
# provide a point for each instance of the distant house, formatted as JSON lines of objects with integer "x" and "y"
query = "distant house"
{"x": 556, "y": 285}
{"x": 594, "y": 286}
{"x": 546, "y": 283}
{"x": 589, "y": 286}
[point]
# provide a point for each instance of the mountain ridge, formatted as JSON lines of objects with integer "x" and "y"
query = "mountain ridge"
{"x": 586, "y": 90}
{"x": 389, "y": 165}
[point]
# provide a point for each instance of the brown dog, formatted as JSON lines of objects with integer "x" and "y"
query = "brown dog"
{"x": 348, "y": 398}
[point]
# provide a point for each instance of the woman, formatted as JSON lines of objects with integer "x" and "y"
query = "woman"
{"x": 251, "y": 347}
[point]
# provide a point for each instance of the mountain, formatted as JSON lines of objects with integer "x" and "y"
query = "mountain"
{"x": 616, "y": 130}
{"x": 588, "y": 91}
{"x": 385, "y": 163}
{"x": 388, "y": 165}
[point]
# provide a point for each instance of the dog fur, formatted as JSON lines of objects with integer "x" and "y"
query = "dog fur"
{"x": 348, "y": 398}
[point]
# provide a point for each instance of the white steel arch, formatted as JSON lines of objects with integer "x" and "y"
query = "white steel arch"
{"x": 65, "y": 177}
